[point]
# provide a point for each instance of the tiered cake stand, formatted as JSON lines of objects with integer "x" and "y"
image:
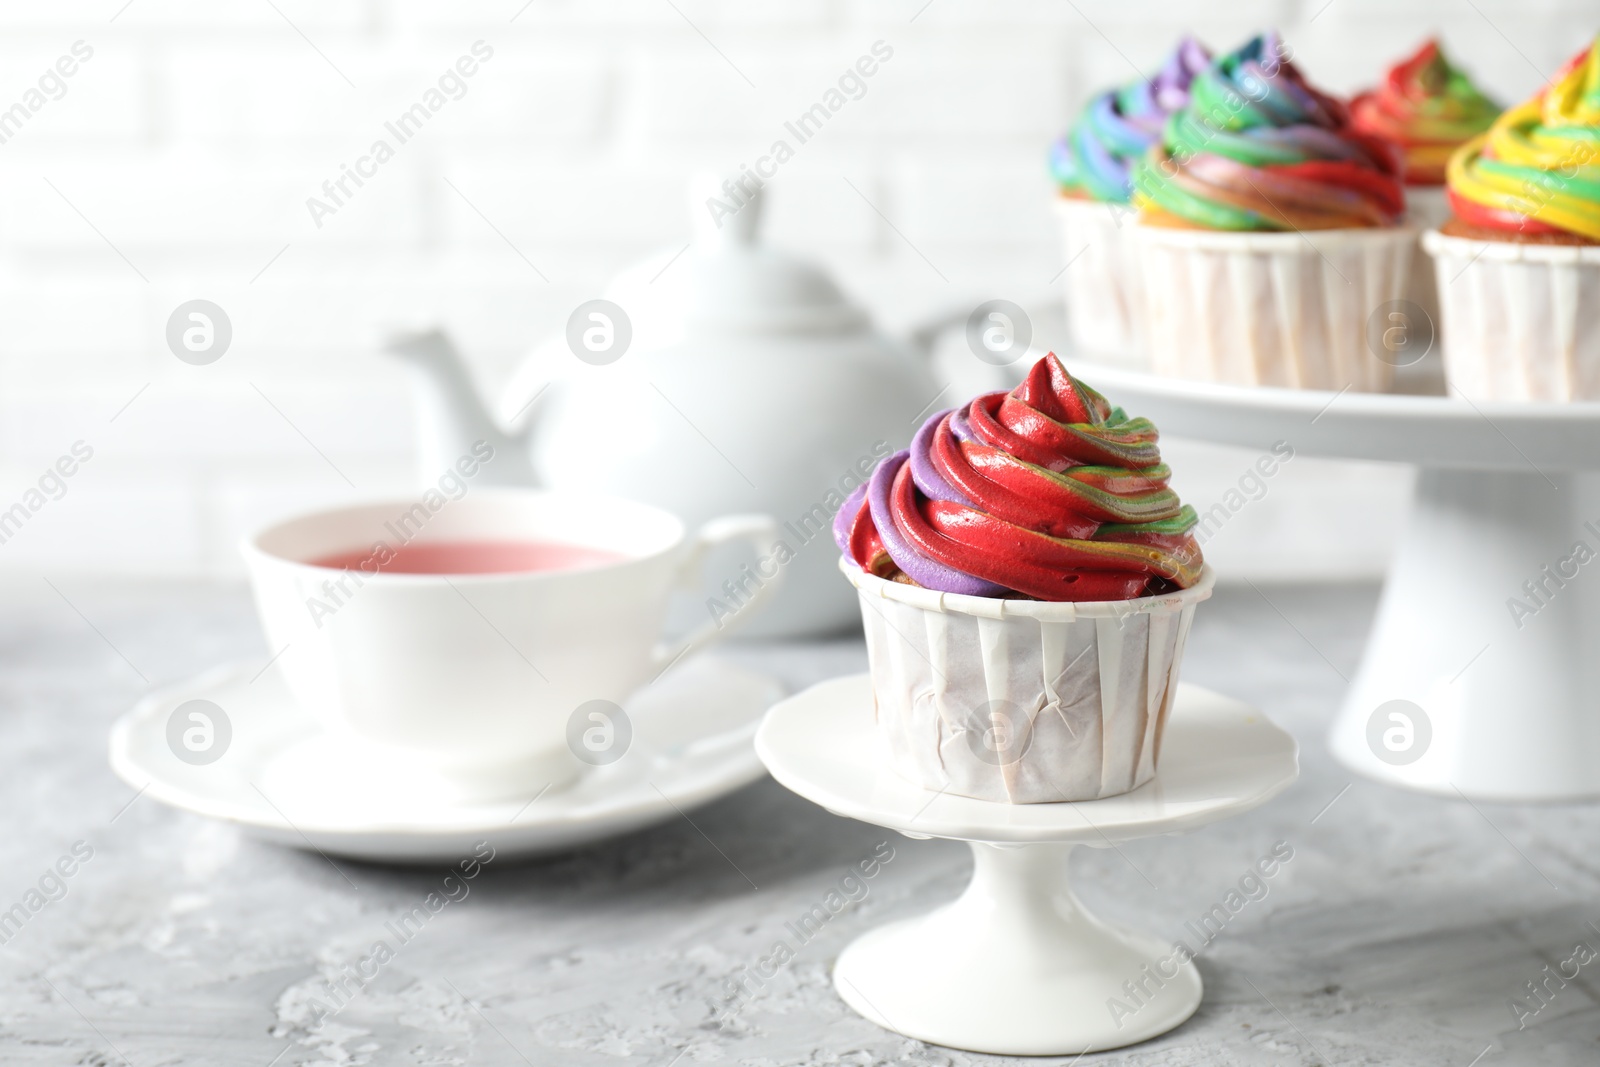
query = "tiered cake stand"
{"x": 1015, "y": 966}
{"x": 1509, "y": 695}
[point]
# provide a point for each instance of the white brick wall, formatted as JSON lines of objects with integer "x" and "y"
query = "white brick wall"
{"x": 191, "y": 139}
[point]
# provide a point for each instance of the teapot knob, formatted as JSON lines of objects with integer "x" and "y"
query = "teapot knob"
{"x": 725, "y": 210}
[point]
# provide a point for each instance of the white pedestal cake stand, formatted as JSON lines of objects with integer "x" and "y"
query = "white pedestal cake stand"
{"x": 1015, "y": 966}
{"x": 1509, "y": 699}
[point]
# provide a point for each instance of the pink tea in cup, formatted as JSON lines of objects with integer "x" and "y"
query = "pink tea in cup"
{"x": 470, "y": 557}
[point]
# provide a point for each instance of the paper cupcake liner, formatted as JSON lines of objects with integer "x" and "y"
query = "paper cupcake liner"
{"x": 1023, "y": 701}
{"x": 1103, "y": 283}
{"x": 1518, "y": 321}
{"x": 1427, "y": 208}
{"x": 1283, "y": 309}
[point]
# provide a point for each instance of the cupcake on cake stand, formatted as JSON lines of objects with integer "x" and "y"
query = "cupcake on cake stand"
{"x": 1015, "y": 965}
{"x": 1027, "y": 578}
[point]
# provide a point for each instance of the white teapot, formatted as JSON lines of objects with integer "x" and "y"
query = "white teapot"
{"x": 746, "y": 382}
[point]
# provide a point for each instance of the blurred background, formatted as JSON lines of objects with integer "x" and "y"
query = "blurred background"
{"x": 176, "y": 163}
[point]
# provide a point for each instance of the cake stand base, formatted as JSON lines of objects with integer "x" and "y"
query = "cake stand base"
{"x": 1488, "y": 629}
{"x": 1016, "y": 967}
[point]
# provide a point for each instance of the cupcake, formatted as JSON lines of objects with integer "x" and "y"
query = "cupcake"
{"x": 1027, "y": 579}
{"x": 1090, "y": 164}
{"x": 1519, "y": 260}
{"x": 1427, "y": 108}
{"x": 1269, "y": 231}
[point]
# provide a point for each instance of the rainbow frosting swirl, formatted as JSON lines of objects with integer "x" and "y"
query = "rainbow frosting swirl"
{"x": 1428, "y": 108}
{"x": 1094, "y": 157}
{"x": 1537, "y": 170}
{"x": 1047, "y": 491}
{"x": 1258, "y": 148}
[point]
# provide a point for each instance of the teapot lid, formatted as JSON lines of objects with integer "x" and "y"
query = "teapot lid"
{"x": 726, "y": 281}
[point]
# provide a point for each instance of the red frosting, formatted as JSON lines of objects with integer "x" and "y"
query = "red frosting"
{"x": 1066, "y": 498}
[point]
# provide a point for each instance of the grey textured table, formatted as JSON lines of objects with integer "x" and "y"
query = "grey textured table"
{"x": 1399, "y": 932}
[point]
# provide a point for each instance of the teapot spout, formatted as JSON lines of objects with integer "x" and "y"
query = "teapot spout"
{"x": 453, "y": 418}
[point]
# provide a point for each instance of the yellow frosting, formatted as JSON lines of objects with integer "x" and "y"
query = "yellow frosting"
{"x": 1541, "y": 159}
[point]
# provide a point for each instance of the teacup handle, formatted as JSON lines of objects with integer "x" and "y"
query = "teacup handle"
{"x": 762, "y": 532}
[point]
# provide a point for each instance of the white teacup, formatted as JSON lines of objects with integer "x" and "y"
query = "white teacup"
{"x": 479, "y": 675}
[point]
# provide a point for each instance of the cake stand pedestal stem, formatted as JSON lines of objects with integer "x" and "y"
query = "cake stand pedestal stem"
{"x": 1490, "y": 624}
{"x": 1016, "y": 966}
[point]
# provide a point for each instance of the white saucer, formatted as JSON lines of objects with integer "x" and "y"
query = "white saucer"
{"x": 285, "y": 780}
{"x": 1015, "y": 966}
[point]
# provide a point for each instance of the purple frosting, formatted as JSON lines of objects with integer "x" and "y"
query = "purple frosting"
{"x": 1168, "y": 91}
{"x": 961, "y": 427}
{"x": 846, "y": 515}
{"x": 925, "y": 571}
{"x": 928, "y": 479}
